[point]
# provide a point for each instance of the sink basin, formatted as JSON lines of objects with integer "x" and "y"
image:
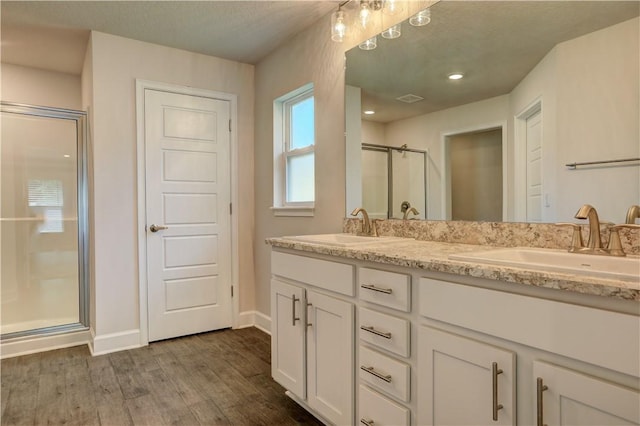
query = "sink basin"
{"x": 619, "y": 268}
{"x": 343, "y": 240}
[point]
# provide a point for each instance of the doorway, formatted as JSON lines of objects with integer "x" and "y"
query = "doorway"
{"x": 186, "y": 219}
{"x": 474, "y": 175}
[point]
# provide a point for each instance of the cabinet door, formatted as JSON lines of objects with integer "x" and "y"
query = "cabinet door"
{"x": 572, "y": 398}
{"x": 464, "y": 381}
{"x": 330, "y": 358}
{"x": 288, "y": 337}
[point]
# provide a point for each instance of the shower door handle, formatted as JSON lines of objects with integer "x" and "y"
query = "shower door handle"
{"x": 156, "y": 228}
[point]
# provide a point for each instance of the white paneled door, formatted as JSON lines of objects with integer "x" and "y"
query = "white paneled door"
{"x": 188, "y": 230}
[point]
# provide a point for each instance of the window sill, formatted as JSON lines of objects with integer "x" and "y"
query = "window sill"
{"x": 293, "y": 211}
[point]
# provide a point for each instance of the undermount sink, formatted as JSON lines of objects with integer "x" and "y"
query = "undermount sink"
{"x": 343, "y": 240}
{"x": 612, "y": 267}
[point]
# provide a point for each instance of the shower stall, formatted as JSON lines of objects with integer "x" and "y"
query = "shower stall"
{"x": 393, "y": 180}
{"x": 43, "y": 218}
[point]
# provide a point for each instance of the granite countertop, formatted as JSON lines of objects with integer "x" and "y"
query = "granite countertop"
{"x": 434, "y": 256}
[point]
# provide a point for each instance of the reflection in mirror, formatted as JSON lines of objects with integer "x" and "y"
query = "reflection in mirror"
{"x": 556, "y": 82}
{"x": 393, "y": 181}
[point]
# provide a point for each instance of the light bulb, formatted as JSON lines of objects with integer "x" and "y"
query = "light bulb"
{"x": 421, "y": 18}
{"x": 338, "y": 27}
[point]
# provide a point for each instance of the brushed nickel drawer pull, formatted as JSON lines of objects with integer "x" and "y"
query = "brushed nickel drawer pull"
{"x": 294, "y": 318}
{"x": 540, "y": 387}
{"x": 378, "y": 289}
{"x": 371, "y": 370}
{"x": 370, "y": 329}
{"x": 367, "y": 422}
{"x": 308, "y": 323}
{"x": 494, "y": 384}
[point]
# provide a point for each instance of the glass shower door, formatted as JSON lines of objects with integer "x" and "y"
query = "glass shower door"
{"x": 42, "y": 253}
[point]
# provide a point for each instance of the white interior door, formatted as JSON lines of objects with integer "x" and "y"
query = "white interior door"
{"x": 188, "y": 232}
{"x": 534, "y": 167}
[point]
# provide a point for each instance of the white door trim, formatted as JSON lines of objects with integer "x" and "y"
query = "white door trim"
{"x": 141, "y": 85}
{"x": 445, "y": 183}
{"x": 520, "y": 157}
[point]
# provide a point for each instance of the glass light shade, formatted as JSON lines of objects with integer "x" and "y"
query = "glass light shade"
{"x": 338, "y": 27}
{"x": 369, "y": 44}
{"x": 421, "y": 18}
{"x": 392, "y": 32}
{"x": 392, "y": 7}
{"x": 365, "y": 13}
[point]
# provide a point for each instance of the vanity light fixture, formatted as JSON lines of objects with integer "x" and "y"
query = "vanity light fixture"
{"x": 366, "y": 13}
{"x": 421, "y": 18}
{"x": 456, "y": 76}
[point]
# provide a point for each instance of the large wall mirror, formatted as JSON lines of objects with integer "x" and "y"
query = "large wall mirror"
{"x": 544, "y": 85}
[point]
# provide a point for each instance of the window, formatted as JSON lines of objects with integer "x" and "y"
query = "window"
{"x": 45, "y": 197}
{"x": 294, "y": 153}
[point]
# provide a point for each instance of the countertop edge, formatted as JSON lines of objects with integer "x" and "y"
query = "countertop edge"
{"x": 385, "y": 254}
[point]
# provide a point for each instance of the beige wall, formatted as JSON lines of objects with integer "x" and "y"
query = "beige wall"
{"x": 427, "y": 132}
{"x": 311, "y": 56}
{"x": 117, "y": 62}
{"x": 34, "y": 86}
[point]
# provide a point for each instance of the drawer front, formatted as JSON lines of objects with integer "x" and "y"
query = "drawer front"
{"x": 386, "y": 374}
{"x": 333, "y": 276}
{"x": 587, "y": 334}
{"x": 376, "y": 410}
{"x": 385, "y": 331}
{"x": 388, "y": 289}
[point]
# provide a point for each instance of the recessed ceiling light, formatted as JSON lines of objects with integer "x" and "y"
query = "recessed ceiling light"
{"x": 66, "y": 156}
{"x": 456, "y": 76}
{"x": 369, "y": 112}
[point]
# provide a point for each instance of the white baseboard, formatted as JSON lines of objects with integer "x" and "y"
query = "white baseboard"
{"x": 33, "y": 344}
{"x": 254, "y": 319}
{"x": 114, "y": 342}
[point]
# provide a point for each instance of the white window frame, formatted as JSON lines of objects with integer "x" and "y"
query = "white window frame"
{"x": 282, "y": 152}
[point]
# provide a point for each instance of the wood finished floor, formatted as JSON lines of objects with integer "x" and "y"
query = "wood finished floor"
{"x": 216, "y": 378}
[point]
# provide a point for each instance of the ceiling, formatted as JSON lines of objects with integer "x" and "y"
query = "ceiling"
{"x": 53, "y": 34}
{"x": 494, "y": 43}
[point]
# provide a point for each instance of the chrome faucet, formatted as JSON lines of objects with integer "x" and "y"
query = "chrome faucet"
{"x": 594, "y": 244}
{"x": 366, "y": 223}
{"x": 411, "y": 210}
{"x": 632, "y": 214}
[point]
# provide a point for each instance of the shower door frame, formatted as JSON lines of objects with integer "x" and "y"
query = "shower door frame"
{"x": 80, "y": 119}
{"x": 389, "y": 150}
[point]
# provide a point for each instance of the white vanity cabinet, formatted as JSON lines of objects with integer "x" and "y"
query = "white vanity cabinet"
{"x": 464, "y": 381}
{"x": 466, "y": 329}
{"x": 312, "y": 335}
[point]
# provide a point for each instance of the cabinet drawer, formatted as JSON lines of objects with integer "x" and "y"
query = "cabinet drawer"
{"x": 385, "y": 331}
{"x": 388, "y": 289}
{"x": 384, "y": 373}
{"x": 379, "y": 411}
{"x": 583, "y": 333}
{"x": 333, "y": 276}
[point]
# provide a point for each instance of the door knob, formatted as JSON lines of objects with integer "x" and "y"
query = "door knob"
{"x": 156, "y": 228}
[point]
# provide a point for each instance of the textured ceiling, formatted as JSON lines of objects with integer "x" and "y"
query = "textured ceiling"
{"x": 243, "y": 31}
{"x": 496, "y": 44}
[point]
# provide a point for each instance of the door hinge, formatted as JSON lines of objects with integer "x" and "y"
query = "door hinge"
{"x": 232, "y": 291}
{"x": 230, "y": 208}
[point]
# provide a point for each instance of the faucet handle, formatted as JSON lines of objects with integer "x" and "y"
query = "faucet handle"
{"x": 576, "y": 238}
{"x": 615, "y": 245}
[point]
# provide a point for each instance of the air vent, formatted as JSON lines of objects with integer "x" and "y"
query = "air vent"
{"x": 409, "y": 99}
